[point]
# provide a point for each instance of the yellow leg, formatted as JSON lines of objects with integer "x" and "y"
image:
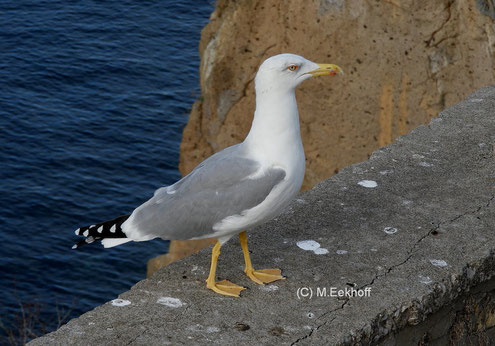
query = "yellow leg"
{"x": 262, "y": 276}
{"x": 224, "y": 287}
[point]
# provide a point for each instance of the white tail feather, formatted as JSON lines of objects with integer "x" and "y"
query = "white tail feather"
{"x": 111, "y": 242}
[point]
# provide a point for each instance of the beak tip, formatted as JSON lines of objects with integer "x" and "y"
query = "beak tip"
{"x": 327, "y": 69}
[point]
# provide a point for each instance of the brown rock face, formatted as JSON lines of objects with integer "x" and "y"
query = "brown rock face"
{"x": 404, "y": 61}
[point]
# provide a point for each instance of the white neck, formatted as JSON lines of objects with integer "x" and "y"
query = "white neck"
{"x": 275, "y": 133}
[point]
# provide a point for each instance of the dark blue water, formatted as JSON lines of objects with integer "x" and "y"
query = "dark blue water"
{"x": 93, "y": 99}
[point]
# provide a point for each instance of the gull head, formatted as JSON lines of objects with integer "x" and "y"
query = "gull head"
{"x": 284, "y": 72}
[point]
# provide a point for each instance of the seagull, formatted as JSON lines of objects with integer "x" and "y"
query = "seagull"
{"x": 236, "y": 189}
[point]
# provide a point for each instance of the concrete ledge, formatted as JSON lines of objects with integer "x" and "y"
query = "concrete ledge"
{"x": 423, "y": 240}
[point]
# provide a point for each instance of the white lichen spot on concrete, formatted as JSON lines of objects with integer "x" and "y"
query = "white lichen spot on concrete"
{"x": 387, "y": 171}
{"x": 406, "y": 202}
{"x": 91, "y": 323}
{"x": 438, "y": 263}
{"x": 390, "y": 230}
{"x": 170, "y": 302}
{"x": 341, "y": 252}
{"x": 374, "y": 250}
{"x": 308, "y": 245}
{"x": 196, "y": 328}
{"x": 120, "y": 302}
{"x": 199, "y": 328}
{"x": 425, "y": 279}
{"x": 291, "y": 329}
{"x": 368, "y": 183}
{"x": 321, "y": 251}
{"x": 268, "y": 288}
{"x": 302, "y": 201}
{"x": 425, "y": 164}
{"x": 476, "y": 100}
{"x": 308, "y": 327}
{"x": 418, "y": 156}
{"x": 311, "y": 245}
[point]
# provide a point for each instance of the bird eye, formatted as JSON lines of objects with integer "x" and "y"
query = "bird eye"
{"x": 293, "y": 67}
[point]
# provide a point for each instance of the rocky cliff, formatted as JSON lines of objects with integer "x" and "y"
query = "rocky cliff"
{"x": 404, "y": 60}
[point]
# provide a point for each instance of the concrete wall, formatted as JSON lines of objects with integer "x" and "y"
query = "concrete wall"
{"x": 414, "y": 224}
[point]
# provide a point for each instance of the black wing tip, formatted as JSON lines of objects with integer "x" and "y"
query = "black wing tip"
{"x": 107, "y": 229}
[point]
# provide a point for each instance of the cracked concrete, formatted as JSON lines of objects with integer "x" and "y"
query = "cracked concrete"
{"x": 414, "y": 223}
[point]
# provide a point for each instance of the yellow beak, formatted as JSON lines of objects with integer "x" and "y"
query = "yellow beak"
{"x": 326, "y": 70}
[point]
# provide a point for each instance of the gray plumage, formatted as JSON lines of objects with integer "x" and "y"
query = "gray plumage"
{"x": 240, "y": 187}
{"x": 219, "y": 187}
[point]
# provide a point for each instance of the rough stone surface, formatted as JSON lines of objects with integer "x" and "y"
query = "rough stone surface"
{"x": 405, "y": 61}
{"x": 177, "y": 250}
{"x": 420, "y": 239}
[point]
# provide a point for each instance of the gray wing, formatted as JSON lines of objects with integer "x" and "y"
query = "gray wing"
{"x": 217, "y": 188}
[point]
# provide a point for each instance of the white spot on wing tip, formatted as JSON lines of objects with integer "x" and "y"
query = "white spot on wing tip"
{"x": 368, "y": 183}
{"x": 170, "y": 302}
{"x": 74, "y": 246}
{"x": 120, "y": 302}
{"x": 86, "y": 232}
{"x": 77, "y": 231}
{"x": 100, "y": 229}
{"x": 112, "y": 229}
